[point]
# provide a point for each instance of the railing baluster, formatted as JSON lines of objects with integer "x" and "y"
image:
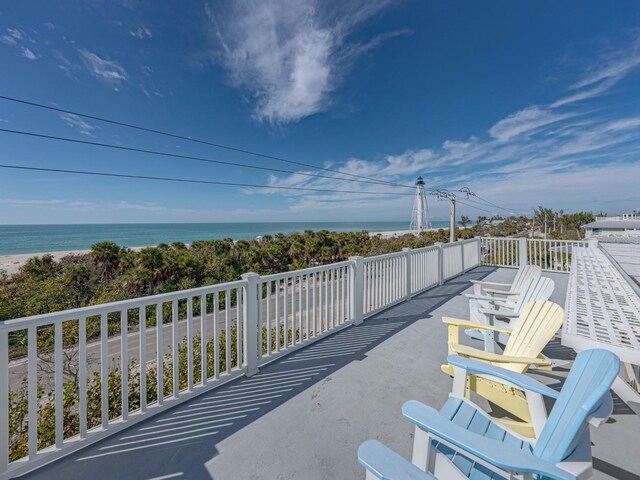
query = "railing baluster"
{"x": 4, "y": 400}
{"x": 227, "y": 322}
{"x": 190, "y": 343}
{"x": 175, "y": 349}
{"x": 160, "y": 353}
{"x": 204, "y": 361}
{"x": 32, "y": 354}
{"x": 313, "y": 296}
{"x": 239, "y": 326}
{"x": 268, "y": 317}
{"x": 285, "y": 319}
{"x": 142, "y": 315}
{"x": 82, "y": 375}
{"x": 59, "y": 387}
{"x": 293, "y": 310}
{"x": 216, "y": 334}
{"x": 124, "y": 362}
{"x": 277, "y": 315}
{"x": 104, "y": 370}
{"x": 307, "y": 313}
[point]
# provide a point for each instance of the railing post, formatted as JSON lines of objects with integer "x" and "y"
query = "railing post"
{"x": 408, "y": 273}
{"x": 4, "y": 401}
{"x": 440, "y": 263}
{"x": 523, "y": 253}
{"x": 479, "y": 247}
{"x": 356, "y": 292}
{"x": 462, "y": 255}
{"x": 250, "y": 323}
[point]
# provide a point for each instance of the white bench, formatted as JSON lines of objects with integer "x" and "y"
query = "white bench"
{"x": 603, "y": 311}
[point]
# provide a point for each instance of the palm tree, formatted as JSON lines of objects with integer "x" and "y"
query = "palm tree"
{"x": 464, "y": 220}
{"x": 106, "y": 256}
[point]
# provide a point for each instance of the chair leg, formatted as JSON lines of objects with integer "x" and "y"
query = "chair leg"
{"x": 421, "y": 449}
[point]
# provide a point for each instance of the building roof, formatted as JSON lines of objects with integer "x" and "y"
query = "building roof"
{"x": 627, "y": 256}
{"x": 620, "y": 224}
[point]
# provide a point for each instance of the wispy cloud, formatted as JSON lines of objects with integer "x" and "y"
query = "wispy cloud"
{"x": 289, "y": 56}
{"x": 103, "y": 69}
{"x": 26, "y": 53}
{"x": 141, "y": 32}
{"x": 78, "y": 124}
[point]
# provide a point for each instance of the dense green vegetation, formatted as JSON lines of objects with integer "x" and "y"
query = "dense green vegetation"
{"x": 111, "y": 273}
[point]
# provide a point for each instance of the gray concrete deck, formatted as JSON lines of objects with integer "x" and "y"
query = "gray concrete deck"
{"x": 304, "y": 416}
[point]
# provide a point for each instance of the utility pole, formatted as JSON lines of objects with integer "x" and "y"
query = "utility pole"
{"x": 452, "y": 220}
{"x": 445, "y": 195}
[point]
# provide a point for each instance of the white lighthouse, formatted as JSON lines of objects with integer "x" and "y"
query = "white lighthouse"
{"x": 420, "y": 215}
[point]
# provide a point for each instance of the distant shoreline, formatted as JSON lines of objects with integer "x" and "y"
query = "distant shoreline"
{"x": 12, "y": 263}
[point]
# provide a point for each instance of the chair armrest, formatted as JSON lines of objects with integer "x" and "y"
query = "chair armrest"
{"x": 470, "y": 352}
{"x": 503, "y": 455}
{"x": 490, "y": 284}
{"x": 520, "y": 380}
{"x": 385, "y": 464}
{"x": 473, "y": 325}
{"x": 499, "y": 313}
{"x": 486, "y": 298}
{"x": 493, "y": 291}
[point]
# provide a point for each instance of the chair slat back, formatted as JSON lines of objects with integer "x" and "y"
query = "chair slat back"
{"x": 539, "y": 288}
{"x": 523, "y": 276}
{"x": 584, "y": 391}
{"x": 538, "y": 323}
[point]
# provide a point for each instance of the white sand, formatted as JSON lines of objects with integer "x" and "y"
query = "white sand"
{"x": 12, "y": 263}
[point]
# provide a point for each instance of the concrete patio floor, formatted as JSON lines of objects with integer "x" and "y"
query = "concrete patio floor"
{"x": 303, "y": 416}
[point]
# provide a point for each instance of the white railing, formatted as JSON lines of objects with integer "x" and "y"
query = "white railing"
{"x": 425, "y": 269}
{"x": 161, "y": 350}
{"x": 384, "y": 281}
{"x": 550, "y": 255}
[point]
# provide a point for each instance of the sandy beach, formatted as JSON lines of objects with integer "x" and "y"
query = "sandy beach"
{"x": 12, "y": 263}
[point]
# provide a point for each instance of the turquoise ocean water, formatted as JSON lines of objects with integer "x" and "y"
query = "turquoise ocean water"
{"x": 15, "y": 239}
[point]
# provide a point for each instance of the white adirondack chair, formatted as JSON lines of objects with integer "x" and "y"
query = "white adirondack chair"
{"x": 494, "y": 311}
{"x": 524, "y": 274}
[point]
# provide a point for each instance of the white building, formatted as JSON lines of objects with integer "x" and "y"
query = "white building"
{"x": 625, "y": 225}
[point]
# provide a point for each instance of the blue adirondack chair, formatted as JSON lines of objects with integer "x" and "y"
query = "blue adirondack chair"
{"x": 461, "y": 441}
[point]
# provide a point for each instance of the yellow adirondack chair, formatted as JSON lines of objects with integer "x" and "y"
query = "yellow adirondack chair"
{"x": 533, "y": 330}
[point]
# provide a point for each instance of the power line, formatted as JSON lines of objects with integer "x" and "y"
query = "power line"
{"x": 472, "y": 206}
{"x": 189, "y": 180}
{"x": 469, "y": 193}
{"x": 175, "y": 155}
{"x": 195, "y": 140}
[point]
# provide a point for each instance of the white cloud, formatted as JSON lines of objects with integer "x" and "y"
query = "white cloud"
{"x": 107, "y": 70}
{"x": 8, "y": 40}
{"x": 26, "y": 53}
{"x": 524, "y": 121}
{"x": 141, "y": 32}
{"x": 289, "y": 55}
{"x": 78, "y": 124}
{"x": 16, "y": 33}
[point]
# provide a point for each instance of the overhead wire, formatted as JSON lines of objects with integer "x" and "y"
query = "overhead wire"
{"x": 189, "y": 180}
{"x": 193, "y": 139}
{"x": 173, "y": 155}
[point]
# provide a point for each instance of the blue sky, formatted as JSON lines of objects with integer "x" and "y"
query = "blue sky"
{"x": 526, "y": 103}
